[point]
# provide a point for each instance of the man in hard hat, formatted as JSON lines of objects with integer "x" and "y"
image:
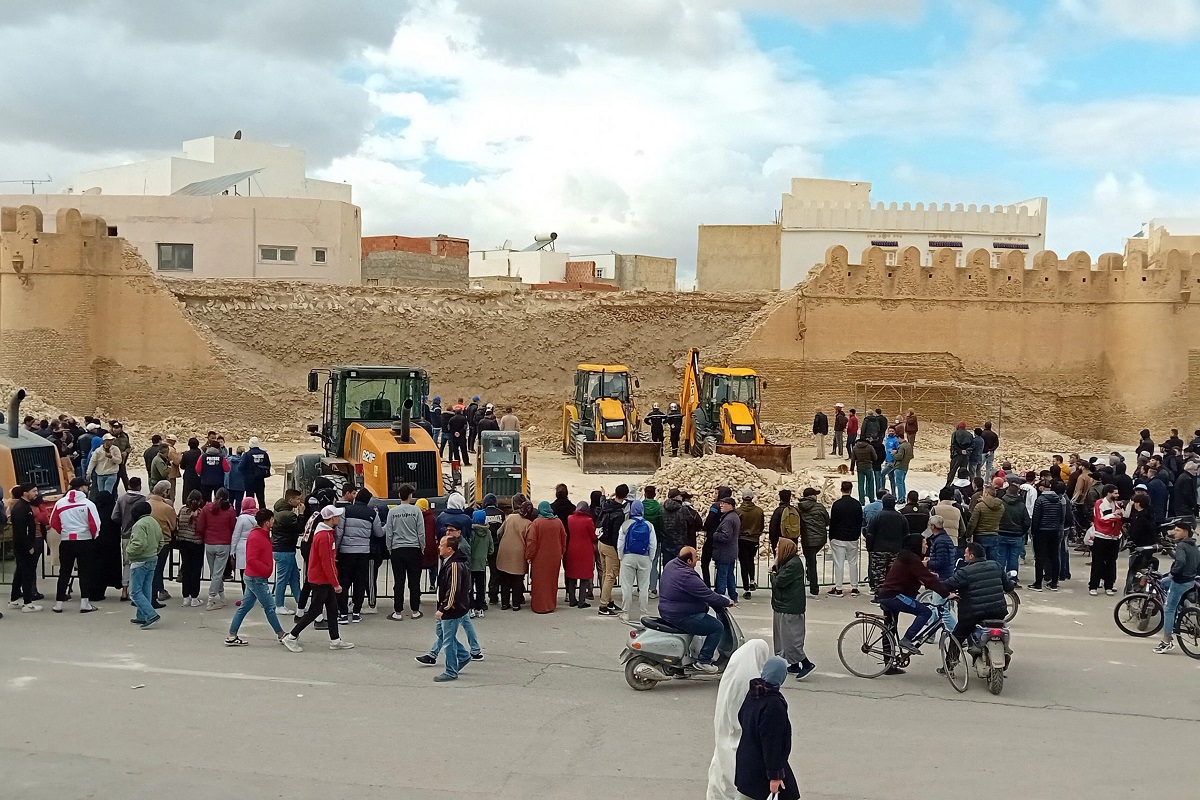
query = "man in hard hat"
{"x": 675, "y": 424}
{"x": 656, "y": 419}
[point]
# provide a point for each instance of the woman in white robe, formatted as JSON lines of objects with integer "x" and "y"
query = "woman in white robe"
{"x": 744, "y": 665}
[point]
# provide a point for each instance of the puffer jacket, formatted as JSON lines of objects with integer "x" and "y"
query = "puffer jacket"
{"x": 863, "y": 454}
{"x": 980, "y": 586}
{"x": 360, "y": 524}
{"x": 986, "y": 517}
{"x": 961, "y": 440}
{"x": 941, "y": 555}
{"x": 674, "y": 529}
{"x": 1015, "y": 519}
{"x": 787, "y": 587}
{"x": 286, "y": 527}
{"x": 1187, "y": 561}
{"x": 814, "y": 522}
{"x": 1048, "y": 512}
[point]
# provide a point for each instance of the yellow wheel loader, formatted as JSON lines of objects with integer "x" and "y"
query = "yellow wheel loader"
{"x": 600, "y": 424}
{"x": 720, "y": 407}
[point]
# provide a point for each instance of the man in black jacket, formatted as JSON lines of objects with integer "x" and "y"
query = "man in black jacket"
{"x": 456, "y": 429}
{"x": 885, "y": 537}
{"x": 27, "y": 547}
{"x": 656, "y": 419}
{"x": 454, "y": 600}
{"x": 675, "y": 424}
{"x": 1183, "y": 498}
{"x": 845, "y": 529}
{"x": 674, "y": 529}
{"x": 981, "y": 585}
{"x": 820, "y": 430}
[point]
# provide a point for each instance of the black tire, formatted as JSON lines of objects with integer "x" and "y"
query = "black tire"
{"x": 954, "y": 665}
{"x": 871, "y": 648}
{"x": 995, "y": 680}
{"x": 1187, "y": 631}
{"x": 1013, "y": 600}
{"x": 636, "y": 683}
{"x": 1138, "y": 615}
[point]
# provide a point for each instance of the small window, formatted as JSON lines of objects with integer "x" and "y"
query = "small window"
{"x": 889, "y": 258}
{"x": 112, "y": 230}
{"x": 319, "y": 255}
{"x": 175, "y": 257}
{"x": 282, "y": 254}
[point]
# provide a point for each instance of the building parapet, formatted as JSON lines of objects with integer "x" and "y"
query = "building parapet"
{"x": 1027, "y": 218}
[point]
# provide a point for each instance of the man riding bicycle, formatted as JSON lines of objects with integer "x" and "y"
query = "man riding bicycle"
{"x": 980, "y": 585}
{"x": 897, "y": 594}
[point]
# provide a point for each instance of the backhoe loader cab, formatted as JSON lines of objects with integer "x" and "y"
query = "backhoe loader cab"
{"x": 734, "y": 394}
{"x": 368, "y": 434}
{"x": 600, "y": 422}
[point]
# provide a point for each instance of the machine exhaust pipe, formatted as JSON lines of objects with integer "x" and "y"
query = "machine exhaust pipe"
{"x": 405, "y": 431}
{"x": 14, "y": 414}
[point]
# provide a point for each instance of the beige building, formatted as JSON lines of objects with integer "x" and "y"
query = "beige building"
{"x": 818, "y": 214}
{"x": 1160, "y": 236}
{"x": 228, "y": 208}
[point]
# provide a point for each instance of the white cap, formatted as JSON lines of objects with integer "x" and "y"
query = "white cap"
{"x": 329, "y": 512}
{"x": 490, "y": 407}
{"x": 171, "y": 437}
{"x": 254, "y": 442}
{"x": 108, "y": 436}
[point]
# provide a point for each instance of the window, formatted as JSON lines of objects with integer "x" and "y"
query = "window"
{"x": 274, "y": 253}
{"x": 112, "y": 230}
{"x": 889, "y": 258}
{"x": 319, "y": 255}
{"x": 175, "y": 257}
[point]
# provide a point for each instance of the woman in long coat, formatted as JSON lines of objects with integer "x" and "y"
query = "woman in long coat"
{"x": 510, "y": 555}
{"x": 545, "y": 545}
{"x": 744, "y": 665}
{"x": 581, "y": 548}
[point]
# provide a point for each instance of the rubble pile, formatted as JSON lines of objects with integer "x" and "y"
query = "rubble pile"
{"x": 702, "y": 476}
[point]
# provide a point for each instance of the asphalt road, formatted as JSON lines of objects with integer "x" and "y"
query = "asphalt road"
{"x": 95, "y": 707}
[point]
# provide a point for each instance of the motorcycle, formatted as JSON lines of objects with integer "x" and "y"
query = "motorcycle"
{"x": 991, "y": 653}
{"x": 657, "y": 651}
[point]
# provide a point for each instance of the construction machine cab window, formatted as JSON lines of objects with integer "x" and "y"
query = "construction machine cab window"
{"x": 501, "y": 448}
{"x": 378, "y": 399}
{"x": 614, "y": 385}
{"x": 731, "y": 389}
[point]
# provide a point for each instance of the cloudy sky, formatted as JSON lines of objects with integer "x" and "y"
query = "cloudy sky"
{"x": 624, "y": 124}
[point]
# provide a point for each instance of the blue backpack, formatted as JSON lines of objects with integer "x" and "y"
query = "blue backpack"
{"x": 637, "y": 537}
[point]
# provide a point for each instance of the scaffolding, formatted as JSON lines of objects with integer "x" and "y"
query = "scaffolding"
{"x": 931, "y": 397}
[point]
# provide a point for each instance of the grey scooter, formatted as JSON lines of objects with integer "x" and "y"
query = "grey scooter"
{"x": 658, "y": 651}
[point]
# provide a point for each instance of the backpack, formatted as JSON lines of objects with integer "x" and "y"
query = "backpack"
{"x": 789, "y": 523}
{"x": 637, "y": 537}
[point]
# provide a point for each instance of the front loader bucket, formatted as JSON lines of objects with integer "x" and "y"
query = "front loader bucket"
{"x": 619, "y": 457}
{"x": 764, "y": 456}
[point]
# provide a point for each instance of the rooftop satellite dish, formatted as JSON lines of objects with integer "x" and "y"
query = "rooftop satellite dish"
{"x": 93, "y": 190}
{"x": 507, "y": 245}
{"x": 237, "y": 135}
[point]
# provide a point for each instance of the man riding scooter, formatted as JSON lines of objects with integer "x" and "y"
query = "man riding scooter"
{"x": 684, "y": 600}
{"x": 980, "y": 584}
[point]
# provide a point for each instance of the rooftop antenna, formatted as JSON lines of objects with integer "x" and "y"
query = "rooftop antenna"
{"x": 30, "y": 182}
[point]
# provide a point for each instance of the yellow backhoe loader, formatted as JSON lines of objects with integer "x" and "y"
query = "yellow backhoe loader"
{"x": 720, "y": 407}
{"x": 600, "y": 424}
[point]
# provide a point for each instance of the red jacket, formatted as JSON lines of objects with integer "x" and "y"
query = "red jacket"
{"x": 215, "y": 526}
{"x": 260, "y": 557}
{"x": 581, "y": 546}
{"x": 430, "y": 558}
{"x": 322, "y": 558}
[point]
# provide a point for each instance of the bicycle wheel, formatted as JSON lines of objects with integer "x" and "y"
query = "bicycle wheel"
{"x": 1187, "y": 631}
{"x": 954, "y": 666}
{"x": 1013, "y": 600}
{"x": 867, "y": 648}
{"x": 1138, "y": 615}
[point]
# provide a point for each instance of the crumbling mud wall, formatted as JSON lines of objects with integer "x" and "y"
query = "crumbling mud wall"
{"x": 1089, "y": 349}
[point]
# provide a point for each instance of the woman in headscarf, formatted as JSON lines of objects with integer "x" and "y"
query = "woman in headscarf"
{"x": 108, "y": 549}
{"x": 762, "y": 769}
{"x": 429, "y": 560}
{"x": 581, "y": 550}
{"x": 788, "y": 607}
{"x": 744, "y": 665}
{"x": 545, "y": 545}
{"x": 597, "y": 505}
{"x": 510, "y": 556}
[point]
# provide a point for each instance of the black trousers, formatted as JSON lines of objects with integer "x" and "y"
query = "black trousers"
{"x": 72, "y": 555}
{"x": 406, "y": 569}
{"x": 353, "y": 569}
{"x": 1104, "y": 563}
{"x": 810, "y": 567}
{"x": 24, "y": 582}
{"x": 493, "y": 584}
{"x": 706, "y": 558}
{"x": 747, "y": 550}
{"x": 584, "y": 585}
{"x": 1045, "y": 554}
{"x": 191, "y": 558}
{"x": 674, "y": 442}
{"x": 259, "y": 493}
{"x": 512, "y": 590}
{"x": 323, "y": 599}
{"x": 479, "y": 590}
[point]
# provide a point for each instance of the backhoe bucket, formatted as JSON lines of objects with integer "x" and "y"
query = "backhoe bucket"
{"x": 764, "y": 456}
{"x": 619, "y": 457}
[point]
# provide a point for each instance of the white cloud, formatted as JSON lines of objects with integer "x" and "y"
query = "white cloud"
{"x": 1158, "y": 20}
{"x": 1112, "y": 211}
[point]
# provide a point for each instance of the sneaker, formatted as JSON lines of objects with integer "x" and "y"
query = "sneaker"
{"x": 425, "y": 660}
{"x": 340, "y": 644}
{"x": 291, "y": 643}
{"x": 235, "y": 641}
{"x": 908, "y": 646}
{"x": 1037, "y": 587}
{"x": 793, "y": 668}
{"x": 854, "y": 592}
{"x": 31, "y": 608}
{"x": 516, "y": 608}
{"x": 15, "y": 603}
{"x": 151, "y": 621}
{"x": 443, "y": 677}
{"x": 894, "y": 671}
{"x": 197, "y": 602}
{"x": 745, "y": 595}
{"x": 395, "y": 616}
{"x": 607, "y": 611}
{"x": 506, "y": 608}
{"x": 300, "y": 612}
{"x": 472, "y": 614}
{"x": 1110, "y": 592}
{"x": 805, "y": 669}
{"x": 343, "y": 619}
{"x": 284, "y": 611}
{"x": 187, "y": 603}
{"x": 835, "y": 592}
{"x": 480, "y": 614}
{"x": 477, "y": 656}
{"x": 654, "y": 594}
{"x": 1053, "y": 587}
{"x": 1164, "y": 647}
{"x": 706, "y": 667}
{"x": 1093, "y": 592}
{"x": 584, "y": 605}
{"x": 416, "y": 615}
{"x": 356, "y": 618}
{"x": 321, "y": 625}
{"x": 164, "y": 595}
{"x": 156, "y": 604}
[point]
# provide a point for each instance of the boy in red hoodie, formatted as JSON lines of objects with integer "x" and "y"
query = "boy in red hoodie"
{"x": 323, "y": 579}
{"x": 260, "y": 564}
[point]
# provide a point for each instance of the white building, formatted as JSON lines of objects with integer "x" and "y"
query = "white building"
{"x": 817, "y": 214}
{"x": 229, "y": 208}
{"x": 536, "y": 266}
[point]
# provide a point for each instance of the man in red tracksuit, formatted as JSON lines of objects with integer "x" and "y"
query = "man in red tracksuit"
{"x": 323, "y": 580}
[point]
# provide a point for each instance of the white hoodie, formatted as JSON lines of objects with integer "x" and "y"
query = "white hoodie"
{"x": 75, "y": 517}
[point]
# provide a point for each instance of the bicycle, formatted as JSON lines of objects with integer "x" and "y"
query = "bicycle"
{"x": 870, "y": 645}
{"x": 1140, "y": 613}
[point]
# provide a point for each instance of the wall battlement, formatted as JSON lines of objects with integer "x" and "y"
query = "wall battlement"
{"x": 1039, "y": 277}
{"x": 1002, "y": 220}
